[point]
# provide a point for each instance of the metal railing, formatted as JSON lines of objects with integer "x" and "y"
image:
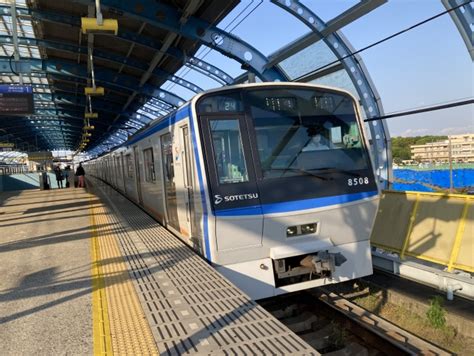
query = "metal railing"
{"x": 13, "y": 169}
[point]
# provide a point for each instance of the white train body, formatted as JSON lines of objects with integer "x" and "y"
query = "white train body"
{"x": 271, "y": 183}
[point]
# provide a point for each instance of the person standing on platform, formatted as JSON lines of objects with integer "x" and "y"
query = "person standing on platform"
{"x": 67, "y": 173}
{"x": 80, "y": 173}
{"x": 59, "y": 176}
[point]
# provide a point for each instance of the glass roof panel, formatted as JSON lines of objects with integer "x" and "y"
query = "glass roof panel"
{"x": 308, "y": 60}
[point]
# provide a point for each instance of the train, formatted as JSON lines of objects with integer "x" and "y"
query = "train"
{"x": 272, "y": 183}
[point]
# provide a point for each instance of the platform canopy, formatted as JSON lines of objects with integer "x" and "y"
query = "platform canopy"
{"x": 100, "y": 70}
{"x": 131, "y": 66}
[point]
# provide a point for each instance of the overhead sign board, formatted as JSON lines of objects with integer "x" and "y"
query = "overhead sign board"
{"x": 6, "y": 146}
{"x": 16, "y": 100}
{"x": 40, "y": 156}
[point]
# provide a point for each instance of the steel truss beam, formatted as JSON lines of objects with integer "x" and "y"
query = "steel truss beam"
{"x": 105, "y": 55}
{"x": 195, "y": 29}
{"x": 131, "y": 37}
{"x": 66, "y": 98}
{"x": 380, "y": 139}
{"x": 29, "y": 132}
{"x": 106, "y": 76}
{"x": 45, "y": 132}
{"x": 43, "y": 122}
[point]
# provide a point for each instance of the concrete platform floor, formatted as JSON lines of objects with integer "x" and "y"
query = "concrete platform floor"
{"x": 79, "y": 276}
{"x": 45, "y": 283}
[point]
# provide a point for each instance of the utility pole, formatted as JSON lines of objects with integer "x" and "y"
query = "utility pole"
{"x": 450, "y": 157}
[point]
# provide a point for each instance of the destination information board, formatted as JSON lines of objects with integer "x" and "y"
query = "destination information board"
{"x": 16, "y": 100}
{"x": 40, "y": 156}
{"x": 6, "y": 146}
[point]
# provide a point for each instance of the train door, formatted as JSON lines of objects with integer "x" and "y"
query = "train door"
{"x": 122, "y": 172}
{"x": 235, "y": 198}
{"x": 137, "y": 174}
{"x": 188, "y": 181}
{"x": 169, "y": 181}
{"x": 117, "y": 171}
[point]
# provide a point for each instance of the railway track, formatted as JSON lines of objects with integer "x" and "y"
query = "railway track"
{"x": 335, "y": 326}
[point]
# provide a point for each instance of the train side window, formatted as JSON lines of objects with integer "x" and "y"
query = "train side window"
{"x": 129, "y": 165}
{"x": 149, "y": 165}
{"x": 228, "y": 151}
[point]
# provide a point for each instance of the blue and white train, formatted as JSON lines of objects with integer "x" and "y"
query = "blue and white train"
{"x": 272, "y": 183}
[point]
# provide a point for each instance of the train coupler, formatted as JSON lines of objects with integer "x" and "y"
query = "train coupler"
{"x": 323, "y": 261}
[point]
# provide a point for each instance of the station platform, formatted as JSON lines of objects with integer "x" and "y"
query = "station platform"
{"x": 86, "y": 271}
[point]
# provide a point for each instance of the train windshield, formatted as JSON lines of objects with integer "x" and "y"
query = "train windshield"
{"x": 306, "y": 132}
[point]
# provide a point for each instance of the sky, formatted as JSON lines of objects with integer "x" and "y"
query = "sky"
{"x": 425, "y": 66}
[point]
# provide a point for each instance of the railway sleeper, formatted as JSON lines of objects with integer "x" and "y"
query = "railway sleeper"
{"x": 286, "y": 312}
{"x": 301, "y": 323}
{"x": 320, "y": 339}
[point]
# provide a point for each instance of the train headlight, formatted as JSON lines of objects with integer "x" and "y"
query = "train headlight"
{"x": 308, "y": 229}
{"x": 299, "y": 230}
{"x": 291, "y": 231}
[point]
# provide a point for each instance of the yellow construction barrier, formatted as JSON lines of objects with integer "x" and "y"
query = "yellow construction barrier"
{"x": 430, "y": 226}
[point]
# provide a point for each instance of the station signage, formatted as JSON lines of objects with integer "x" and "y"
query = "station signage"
{"x": 6, "y": 146}
{"x": 16, "y": 100}
{"x": 40, "y": 156}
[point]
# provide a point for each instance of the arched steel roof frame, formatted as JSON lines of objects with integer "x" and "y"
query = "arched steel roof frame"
{"x": 109, "y": 78}
{"x": 104, "y": 55}
{"x": 137, "y": 39}
{"x": 463, "y": 18}
{"x": 380, "y": 139}
{"x": 196, "y": 29}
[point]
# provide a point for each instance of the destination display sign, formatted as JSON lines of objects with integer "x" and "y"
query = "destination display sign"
{"x": 40, "y": 156}
{"x": 6, "y": 146}
{"x": 16, "y": 100}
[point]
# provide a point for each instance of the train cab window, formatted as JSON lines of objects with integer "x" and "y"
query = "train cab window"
{"x": 129, "y": 161}
{"x": 228, "y": 151}
{"x": 149, "y": 165}
{"x": 301, "y": 131}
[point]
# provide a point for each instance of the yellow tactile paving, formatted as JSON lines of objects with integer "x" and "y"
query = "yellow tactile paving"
{"x": 101, "y": 325}
{"x": 129, "y": 331}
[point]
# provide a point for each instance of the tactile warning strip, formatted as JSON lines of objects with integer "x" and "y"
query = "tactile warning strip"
{"x": 130, "y": 333}
{"x": 191, "y": 308}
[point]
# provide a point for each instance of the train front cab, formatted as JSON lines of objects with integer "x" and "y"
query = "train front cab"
{"x": 291, "y": 187}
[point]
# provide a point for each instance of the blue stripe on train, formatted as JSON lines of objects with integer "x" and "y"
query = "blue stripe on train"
{"x": 181, "y": 114}
{"x": 296, "y": 205}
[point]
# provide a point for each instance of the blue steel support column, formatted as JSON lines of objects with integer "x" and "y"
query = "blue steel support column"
{"x": 380, "y": 140}
{"x": 196, "y": 29}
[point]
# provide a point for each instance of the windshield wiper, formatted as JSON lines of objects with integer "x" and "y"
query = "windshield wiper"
{"x": 336, "y": 170}
{"x": 284, "y": 170}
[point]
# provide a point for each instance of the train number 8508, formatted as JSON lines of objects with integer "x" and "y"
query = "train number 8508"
{"x": 357, "y": 181}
